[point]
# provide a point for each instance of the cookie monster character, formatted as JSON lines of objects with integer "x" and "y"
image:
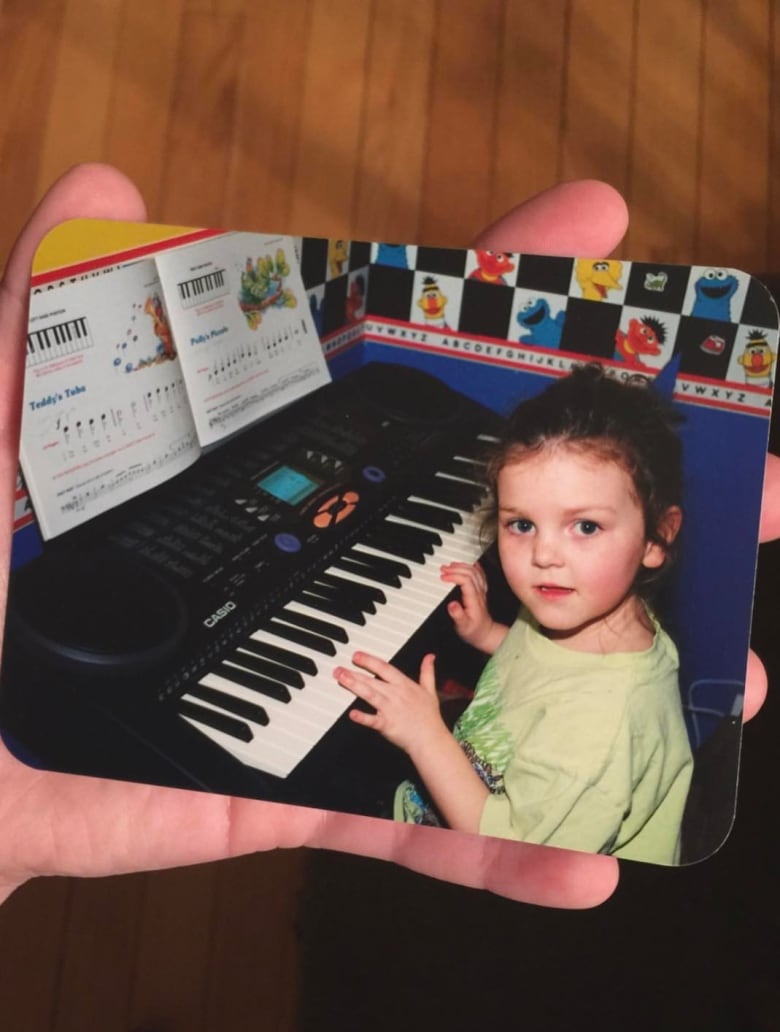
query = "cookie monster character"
{"x": 392, "y": 254}
{"x": 714, "y": 291}
{"x": 540, "y": 326}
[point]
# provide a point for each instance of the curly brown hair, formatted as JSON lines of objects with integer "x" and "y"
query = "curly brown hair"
{"x": 628, "y": 423}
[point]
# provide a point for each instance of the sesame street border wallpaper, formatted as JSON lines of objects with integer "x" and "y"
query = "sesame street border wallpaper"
{"x": 499, "y": 327}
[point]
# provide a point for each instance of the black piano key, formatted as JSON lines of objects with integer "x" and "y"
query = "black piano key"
{"x": 348, "y": 597}
{"x": 277, "y": 654}
{"x": 427, "y": 540}
{"x": 429, "y": 515}
{"x": 364, "y": 594}
{"x": 374, "y": 573}
{"x": 311, "y": 623}
{"x": 238, "y": 707}
{"x": 219, "y": 721}
{"x": 450, "y": 492}
{"x": 310, "y": 641}
{"x": 379, "y": 562}
{"x": 396, "y": 544}
{"x": 255, "y": 682}
{"x": 264, "y": 666}
{"x": 329, "y": 603}
{"x": 466, "y": 470}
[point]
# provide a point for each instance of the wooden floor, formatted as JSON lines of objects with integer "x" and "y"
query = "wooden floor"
{"x": 416, "y": 120}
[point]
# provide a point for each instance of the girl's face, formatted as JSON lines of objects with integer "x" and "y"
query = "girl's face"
{"x": 571, "y": 538}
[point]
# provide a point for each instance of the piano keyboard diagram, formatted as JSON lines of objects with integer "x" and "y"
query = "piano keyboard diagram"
{"x": 199, "y": 290}
{"x": 58, "y": 341}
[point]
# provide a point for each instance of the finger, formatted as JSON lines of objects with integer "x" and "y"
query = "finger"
{"x": 371, "y": 720}
{"x": 375, "y": 665}
{"x": 364, "y": 687}
{"x": 769, "y": 527}
{"x": 755, "y": 686}
{"x": 516, "y": 870}
{"x": 86, "y": 191}
{"x": 585, "y": 218}
{"x": 428, "y": 673}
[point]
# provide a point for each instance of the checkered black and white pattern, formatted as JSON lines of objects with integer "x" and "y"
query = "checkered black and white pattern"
{"x": 721, "y": 324}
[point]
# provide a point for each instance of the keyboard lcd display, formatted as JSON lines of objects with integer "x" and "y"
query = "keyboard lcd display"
{"x": 288, "y": 485}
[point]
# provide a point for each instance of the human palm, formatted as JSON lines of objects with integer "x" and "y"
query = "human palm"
{"x": 65, "y": 824}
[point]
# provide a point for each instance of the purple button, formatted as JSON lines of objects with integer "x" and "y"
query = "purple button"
{"x": 374, "y": 474}
{"x": 287, "y": 543}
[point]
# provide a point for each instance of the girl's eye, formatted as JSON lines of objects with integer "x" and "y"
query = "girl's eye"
{"x": 587, "y": 527}
{"x": 520, "y": 526}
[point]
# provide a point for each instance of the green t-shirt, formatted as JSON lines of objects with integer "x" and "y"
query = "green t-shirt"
{"x": 580, "y": 750}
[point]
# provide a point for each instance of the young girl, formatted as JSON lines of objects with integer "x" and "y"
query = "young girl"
{"x": 575, "y": 736}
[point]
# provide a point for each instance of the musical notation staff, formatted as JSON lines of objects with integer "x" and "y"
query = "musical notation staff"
{"x": 199, "y": 289}
{"x": 57, "y": 341}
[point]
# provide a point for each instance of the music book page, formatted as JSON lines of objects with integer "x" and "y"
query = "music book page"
{"x": 105, "y": 409}
{"x": 129, "y": 376}
{"x": 245, "y": 337}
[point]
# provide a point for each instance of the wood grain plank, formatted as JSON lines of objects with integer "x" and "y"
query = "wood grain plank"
{"x": 253, "y": 970}
{"x": 662, "y": 184}
{"x": 597, "y": 99}
{"x": 325, "y": 166}
{"x": 459, "y": 165}
{"x": 270, "y": 87}
{"x": 79, "y": 101}
{"x": 174, "y": 947}
{"x": 100, "y": 944}
{"x": 395, "y": 121}
{"x": 32, "y": 935}
{"x": 141, "y": 97}
{"x": 734, "y": 182}
{"x": 530, "y": 94}
{"x": 202, "y": 121}
{"x": 29, "y": 45}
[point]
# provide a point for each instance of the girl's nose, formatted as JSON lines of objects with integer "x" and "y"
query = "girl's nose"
{"x": 547, "y": 550}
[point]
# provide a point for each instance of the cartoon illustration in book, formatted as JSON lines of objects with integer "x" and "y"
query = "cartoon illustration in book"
{"x": 539, "y": 325}
{"x": 757, "y": 360}
{"x": 644, "y": 337}
{"x": 432, "y": 302}
{"x": 597, "y": 277}
{"x": 356, "y": 299}
{"x": 714, "y": 291}
{"x": 262, "y": 287}
{"x": 338, "y": 256}
{"x": 153, "y": 307}
{"x": 491, "y": 266}
{"x": 392, "y": 254}
{"x": 165, "y": 349}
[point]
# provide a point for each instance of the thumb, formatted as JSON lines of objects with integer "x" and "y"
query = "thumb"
{"x": 427, "y": 673}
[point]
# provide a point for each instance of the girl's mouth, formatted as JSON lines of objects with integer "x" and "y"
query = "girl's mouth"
{"x": 553, "y": 591}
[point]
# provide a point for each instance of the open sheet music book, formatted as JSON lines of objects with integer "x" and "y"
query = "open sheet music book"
{"x": 123, "y": 388}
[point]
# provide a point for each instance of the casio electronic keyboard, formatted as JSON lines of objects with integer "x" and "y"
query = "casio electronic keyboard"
{"x": 188, "y": 637}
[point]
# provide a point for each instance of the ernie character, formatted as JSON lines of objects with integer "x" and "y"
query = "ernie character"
{"x": 644, "y": 337}
{"x": 491, "y": 266}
